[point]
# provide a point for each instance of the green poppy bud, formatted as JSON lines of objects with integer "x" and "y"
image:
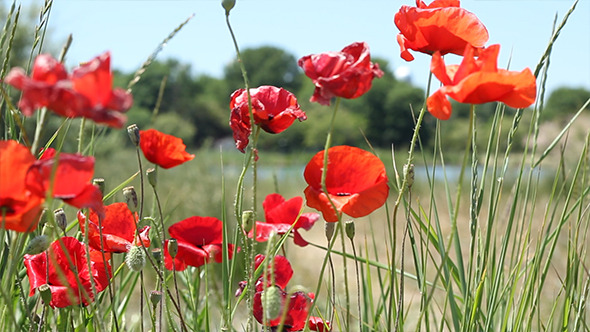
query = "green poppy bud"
{"x": 247, "y": 220}
{"x": 172, "y": 247}
{"x": 329, "y": 228}
{"x": 349, "y": 228}
{"x": 38, "y": 244}
{"x": 272, "y": 301}
{"x": 135, "y": 258}
{"x": 60, "y": 219}
{"x": 157, "y": 254}
{"x": 130, "y": 198}
{"x": 155, "y": 298}
{"x": 152, "y": 176}
{"x": 45, "y": 292}
{"x": 228, "y": 5}
{"x": 133, "y": 132}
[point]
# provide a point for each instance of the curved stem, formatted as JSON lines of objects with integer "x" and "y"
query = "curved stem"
{"x": 401, "y": 193}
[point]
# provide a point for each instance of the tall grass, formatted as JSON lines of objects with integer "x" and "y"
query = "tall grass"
{"x": 496, "y": 242}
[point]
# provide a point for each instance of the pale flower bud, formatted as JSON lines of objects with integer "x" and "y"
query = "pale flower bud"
{"x": 152, "y": 176}
{"x": 172, "y": 247}
{"x": 37, "y": 245}
{"x": 247, "y": 220}
{"x": 60, "y": 219}
{"x": 130, "y": 198}
{"x": 133, "y": 132}
{"x": 135, "y": 258}
{"x": 271, "y": 302}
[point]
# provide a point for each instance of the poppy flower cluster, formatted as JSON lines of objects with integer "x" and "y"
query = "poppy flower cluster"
{"x": 348, "y": 74}
{"x": 164, "y": 150}
{"x": 478, "y": 81}
{"x": 280, "y": 307}
{"x": 25, "y": 182}
{"x": 20, "y": 207}
{"x": 200, "y": 240}
{"x": 280, "y": 216}
{"x": 86, "y": 92}
{"x": 274, "y": 110}
{"x": 443, "y": 26}
{"x": 71, "y": 181}
{"x": 356, "y": 182}
{"x": 118, "y": 229}
{"x": 65, "y": 269}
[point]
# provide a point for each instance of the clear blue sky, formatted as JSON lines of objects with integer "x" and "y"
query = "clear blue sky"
{"x": 131, "y": 30}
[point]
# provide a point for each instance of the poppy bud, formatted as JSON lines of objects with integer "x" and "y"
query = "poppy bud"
{"x": 45, "y": 292}
{"x": 60, "y": 219}
{"x": 152, "y": 176}
{"x": 37, "y": 245}
{"x": 155, "y": 298}
{"x": 349, "y": 228}
{"x": 133, "y": 132}
{"x": 157, "y": 254}
{"x": 99, "y": 182}
{"x": 409, "y": 174}
{"x": 228, "y": 5}
{"x": 271, "y": 302}
{"x": 130, "y": 198}
{"x": 172, "y": 247}
{"x": 247, "y": 220}
{"x": 329, "y": 229}
{"x": 135, "y": 258}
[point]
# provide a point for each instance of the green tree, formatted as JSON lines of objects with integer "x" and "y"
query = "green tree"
{"x": 388, "y": 108}
{"x": 266, "y": 65}
{"x": 564, "y": 101}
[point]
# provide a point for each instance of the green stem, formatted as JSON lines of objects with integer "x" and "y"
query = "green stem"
{"x": 81, "y": 134}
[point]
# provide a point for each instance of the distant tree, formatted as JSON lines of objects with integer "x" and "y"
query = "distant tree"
{"x": 266, "y": 65}
{"x": 198, "y": 101}
{"x": 564, "y": 101}
{"x": 388, "y": 107}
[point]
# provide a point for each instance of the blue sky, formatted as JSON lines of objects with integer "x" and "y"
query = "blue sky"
{"x": 131, "y": 30}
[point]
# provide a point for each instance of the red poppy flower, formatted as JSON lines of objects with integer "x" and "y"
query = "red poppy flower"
{"x": 163, "y": 150}
{"x": 478, "y": 81}
{"x": 441, "y": 27}
{"x": 274, "y": 109}
{"x": 279, "y": 271}
{"x": 280, "y": 215}
{"x": 297, "y": 304}
{"x": 356, "y": 182}
{"x": 318, "y": 324}
{"x": 66, "y": 272}
{"x": 199, "y": 241}
{"x": 118, "y": 229}
{"x": 87, "y": 92}
{"x": 347, "y": 74}
{"x": 20, "y": 207}
{"x": 71, "y": 181}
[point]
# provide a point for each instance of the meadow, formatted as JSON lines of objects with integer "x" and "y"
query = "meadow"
{"x": 107, "y": 226}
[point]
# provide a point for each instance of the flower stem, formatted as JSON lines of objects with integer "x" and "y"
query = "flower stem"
{"x": 401, "y": 193}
